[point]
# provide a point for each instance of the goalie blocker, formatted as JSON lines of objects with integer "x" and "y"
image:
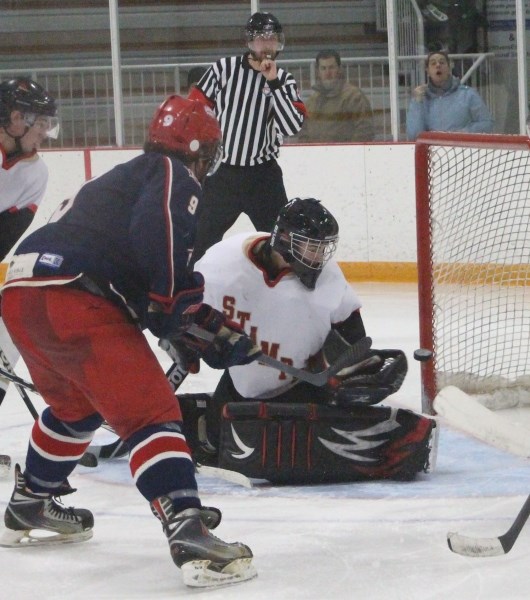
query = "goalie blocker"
{"x": 310, "y": 443}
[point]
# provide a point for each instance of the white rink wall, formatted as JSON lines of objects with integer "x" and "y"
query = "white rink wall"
{"x": 369, "y": 188}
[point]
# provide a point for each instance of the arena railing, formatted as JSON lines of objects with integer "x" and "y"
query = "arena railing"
{"x": 86, "y": 100}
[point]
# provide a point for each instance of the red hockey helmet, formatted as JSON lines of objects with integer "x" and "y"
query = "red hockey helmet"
{"x": 188, "y": 128}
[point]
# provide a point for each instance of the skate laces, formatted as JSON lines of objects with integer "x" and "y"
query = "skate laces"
{"x": 58, "y": 510}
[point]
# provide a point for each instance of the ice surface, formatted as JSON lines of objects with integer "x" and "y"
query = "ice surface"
{"x": 367, "y": 541}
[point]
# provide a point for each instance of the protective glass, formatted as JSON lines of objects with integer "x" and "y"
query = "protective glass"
{"x": 49, "y": 125}
{"x": 258, "y": 41}
{"x": 313, "y": 253}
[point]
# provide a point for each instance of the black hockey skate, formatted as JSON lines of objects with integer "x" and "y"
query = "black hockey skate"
{"x": 204, "y": 559}
{"x": 29, "y": 515}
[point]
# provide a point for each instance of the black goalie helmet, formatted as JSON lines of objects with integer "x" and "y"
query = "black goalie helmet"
{"x": 306, "y": 236}
{"x": 31, "y": 99}
{"x": 266, "y": 26}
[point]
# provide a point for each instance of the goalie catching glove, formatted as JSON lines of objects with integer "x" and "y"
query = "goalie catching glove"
{"x": 371, "y": 381}
{"x": 231, "y": 346}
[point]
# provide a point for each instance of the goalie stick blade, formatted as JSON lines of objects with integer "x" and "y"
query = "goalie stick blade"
{"x": 475, "y": 547}
{"x": 226, "y": 474}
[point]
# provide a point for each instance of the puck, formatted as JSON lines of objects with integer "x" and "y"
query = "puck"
{"x": 422, "y": 354}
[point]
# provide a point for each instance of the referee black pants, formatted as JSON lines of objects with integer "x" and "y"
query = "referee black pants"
{"x": 257, "y": 191}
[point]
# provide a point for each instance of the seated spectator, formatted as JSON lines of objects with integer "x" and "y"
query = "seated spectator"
{"x": 445, "y": 104}
{"x": 337, "y": 111}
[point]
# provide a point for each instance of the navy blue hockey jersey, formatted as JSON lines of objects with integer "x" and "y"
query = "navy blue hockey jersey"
{"x": 132, "y": 228}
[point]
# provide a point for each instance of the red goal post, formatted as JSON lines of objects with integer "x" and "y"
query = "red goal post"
{"x": 473, "y": 244}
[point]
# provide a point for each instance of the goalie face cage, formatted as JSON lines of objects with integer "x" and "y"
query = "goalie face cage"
{"x": 473, "y": 233}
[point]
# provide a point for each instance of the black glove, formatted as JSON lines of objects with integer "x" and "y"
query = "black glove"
{"x": 231, "y": 345}
{"x": 373, "y": 383}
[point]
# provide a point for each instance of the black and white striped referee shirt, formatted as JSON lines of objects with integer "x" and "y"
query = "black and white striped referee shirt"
{"x": 255, "y": 114}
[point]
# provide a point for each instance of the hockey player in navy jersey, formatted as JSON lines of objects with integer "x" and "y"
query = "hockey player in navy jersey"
{"x": 292, "y": 298}
{"x": 77, "y": 294}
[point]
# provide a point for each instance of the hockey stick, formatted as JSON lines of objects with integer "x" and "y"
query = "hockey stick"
{"x": 12, "y": 378}
{"x": 353, "y": 354}
{"x": 6, "y": 371}
{"x": 175, "y": 375}
{"x": 497, "y": 546}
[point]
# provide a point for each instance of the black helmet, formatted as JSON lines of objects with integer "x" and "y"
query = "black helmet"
{"x": 306, "y": 235}
{"x": 28, "y": 97}
{"x": 264, "y": 24}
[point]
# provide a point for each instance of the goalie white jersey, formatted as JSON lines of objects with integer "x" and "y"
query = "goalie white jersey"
{"x": 288, "y": 321}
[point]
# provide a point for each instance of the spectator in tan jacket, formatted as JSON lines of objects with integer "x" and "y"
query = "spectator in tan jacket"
{"x": 337, "y": 110}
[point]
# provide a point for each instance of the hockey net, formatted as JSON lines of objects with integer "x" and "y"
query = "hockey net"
{"x": 473, "y": 227}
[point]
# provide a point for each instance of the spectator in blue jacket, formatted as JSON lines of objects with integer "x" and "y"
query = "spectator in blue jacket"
{"x": 445, "y": 104}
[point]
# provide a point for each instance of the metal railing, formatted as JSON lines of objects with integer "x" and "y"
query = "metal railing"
{"x": 86, "y": 100}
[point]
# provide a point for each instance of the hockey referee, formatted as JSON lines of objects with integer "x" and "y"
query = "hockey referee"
{"x": 257, "y": 105}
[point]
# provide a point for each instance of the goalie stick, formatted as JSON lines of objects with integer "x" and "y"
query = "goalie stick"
{"x": 496, "y": 546}
{"x": 353, "y": 354}
{"x": 176, "y": 374}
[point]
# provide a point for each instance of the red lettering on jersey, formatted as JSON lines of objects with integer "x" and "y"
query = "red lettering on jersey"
{"x": 229, "y": 306}
{"x": 243, "y": 318}
{"x": 270, "y": 349}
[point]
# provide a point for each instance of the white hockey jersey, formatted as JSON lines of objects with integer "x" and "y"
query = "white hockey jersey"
{"x": 22, "y": 182}
{"x": 288, "y": 321}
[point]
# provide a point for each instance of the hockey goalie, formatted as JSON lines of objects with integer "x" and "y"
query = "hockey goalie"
{"x": 285, "y": 290}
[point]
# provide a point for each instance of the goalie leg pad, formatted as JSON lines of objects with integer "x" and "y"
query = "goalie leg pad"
{"x": 309, "y": 443}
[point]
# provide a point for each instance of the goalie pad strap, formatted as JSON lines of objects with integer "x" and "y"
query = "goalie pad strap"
{"x": 310, "y": 443}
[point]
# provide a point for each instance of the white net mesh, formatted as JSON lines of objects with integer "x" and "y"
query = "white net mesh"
{"x": 480, "y": 247}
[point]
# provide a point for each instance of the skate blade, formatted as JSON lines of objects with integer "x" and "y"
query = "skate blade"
{"x": 196, "y": 573}
{"x": 30, "y": 538}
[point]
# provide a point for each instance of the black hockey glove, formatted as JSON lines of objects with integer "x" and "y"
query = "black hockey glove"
{"x": 373, "y": 383}
{"x": 231, "y": 345}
